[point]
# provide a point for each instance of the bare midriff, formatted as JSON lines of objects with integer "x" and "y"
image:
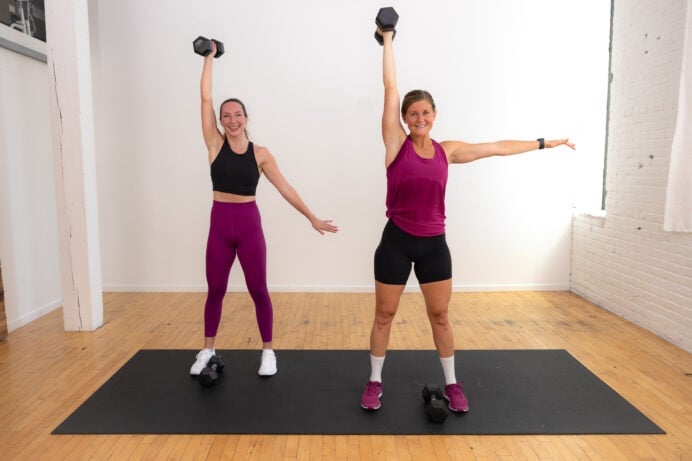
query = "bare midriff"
{"x": 232, "y": 198}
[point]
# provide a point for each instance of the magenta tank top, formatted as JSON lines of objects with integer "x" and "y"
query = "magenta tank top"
{"x": 416, "y": 191}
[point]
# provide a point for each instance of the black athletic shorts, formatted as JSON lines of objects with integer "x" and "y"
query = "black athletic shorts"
{"x": 398, "y": 250}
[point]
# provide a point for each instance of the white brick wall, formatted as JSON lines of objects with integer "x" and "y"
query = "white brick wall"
{"x": 624, "y": 262}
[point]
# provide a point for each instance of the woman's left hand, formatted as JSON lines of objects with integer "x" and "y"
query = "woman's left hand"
{"x": 558, "y": 142}
{"x": 322, "y": 226}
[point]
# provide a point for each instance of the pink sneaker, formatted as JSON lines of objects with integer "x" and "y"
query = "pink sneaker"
{"x": 371, "y": 396}
{"x": 456, "y": 400}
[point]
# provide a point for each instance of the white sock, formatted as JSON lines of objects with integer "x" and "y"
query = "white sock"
{"x": 376, "y": 364}
{"x": 448, "y": 369}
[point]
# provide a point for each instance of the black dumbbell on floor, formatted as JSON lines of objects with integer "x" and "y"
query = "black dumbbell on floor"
{"x": 210, "y": 373}
{"x": 435, "y": 406}
{"x": 202, "y": 46}
{"x": 386, "y": 21}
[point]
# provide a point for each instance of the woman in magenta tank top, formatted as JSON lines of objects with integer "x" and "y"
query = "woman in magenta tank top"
{"x": 414, "y": 235}
{"x": 235, "y": 228}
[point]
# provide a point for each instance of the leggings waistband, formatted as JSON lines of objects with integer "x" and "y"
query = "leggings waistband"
{"x": 229, "y": 210}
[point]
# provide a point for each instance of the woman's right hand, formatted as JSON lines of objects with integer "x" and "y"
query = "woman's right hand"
{"x": 213, "y": 50}
{"x": 385, "y": 34}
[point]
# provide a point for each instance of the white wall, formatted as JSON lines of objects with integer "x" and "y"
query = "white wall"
{"x": 624, "y": 261}
{"x": 500, "y": 69}
{"x": 497, "y": 69}
{"x": 28, "y": 222}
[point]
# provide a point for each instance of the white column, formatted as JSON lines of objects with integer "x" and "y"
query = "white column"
{"x": 72, "y": 126}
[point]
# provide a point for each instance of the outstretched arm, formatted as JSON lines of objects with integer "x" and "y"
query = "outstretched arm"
{"x": 270, "y": 168}
{"x": 212, "y": 137}
{"x": 393, "y": 133}
{"x": 463, "y": 152}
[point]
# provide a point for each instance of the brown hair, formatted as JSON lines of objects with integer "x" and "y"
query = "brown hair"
{"x": 415, "y": 96}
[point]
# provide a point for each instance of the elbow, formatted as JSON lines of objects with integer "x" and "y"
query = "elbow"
{"x": 499, "y": 148}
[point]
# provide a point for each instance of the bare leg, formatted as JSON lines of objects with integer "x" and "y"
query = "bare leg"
{"x": 386, "y": 304}
{"x": 437, "y": 296}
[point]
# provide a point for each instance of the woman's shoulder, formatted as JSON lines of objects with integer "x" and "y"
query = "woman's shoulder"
{"x": 407, "y": 143}
{"x": 262, "y": 153}
{"x": 444, "y": 148}
{"x": 259, "y": 150}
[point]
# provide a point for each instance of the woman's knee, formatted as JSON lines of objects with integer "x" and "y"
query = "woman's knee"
{"x": 439, "y": 316}
{"x": 215, "y": 294}
{"x": 384, "y": 314}
{"x": 259, "y": 292}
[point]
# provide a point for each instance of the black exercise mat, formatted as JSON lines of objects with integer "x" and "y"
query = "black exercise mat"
{"x": 318, "y": 392}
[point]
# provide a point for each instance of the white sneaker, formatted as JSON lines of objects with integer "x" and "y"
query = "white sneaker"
{"x": 268, "y": 365}
{"x": 203, "y": 357}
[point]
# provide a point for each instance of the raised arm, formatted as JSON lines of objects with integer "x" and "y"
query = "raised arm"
{"x": 393, "y": 133}
{"x": 270, "y": 168}
{"x": 212, "y": 136}
{"x": 463, "y": 152}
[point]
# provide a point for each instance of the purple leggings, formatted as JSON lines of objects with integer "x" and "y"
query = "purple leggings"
{"x": 236, "y": 228}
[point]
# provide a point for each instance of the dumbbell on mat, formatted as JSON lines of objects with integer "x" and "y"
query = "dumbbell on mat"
{"x": 435, "y": 406}
{"x": 202, "y": 46}
{"x": 210, "y": 373}
{"x": 386, "y": 21}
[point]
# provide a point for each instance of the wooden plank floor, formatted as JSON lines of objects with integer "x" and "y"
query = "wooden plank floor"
{"x": 46, "y": 373}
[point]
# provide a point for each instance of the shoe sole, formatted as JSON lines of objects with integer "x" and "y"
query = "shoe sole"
{"x": 372, "y": 408}
{"x": 266, "y": 374}
{"x": 453, "y": 409}
{"x": 272, "y": 373}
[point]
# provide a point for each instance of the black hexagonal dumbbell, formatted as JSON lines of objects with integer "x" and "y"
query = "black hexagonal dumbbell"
{"x": 210, "y": 374}
{"x": 435, "y": 406}
{"x": 386, "y": 21}
{"x": 202, "y": 46}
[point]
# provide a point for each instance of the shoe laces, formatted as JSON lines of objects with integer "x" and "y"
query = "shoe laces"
{"x": 205, "y": 353}
{"x": 454, "y": 389}
{"x": 373, "y": 388}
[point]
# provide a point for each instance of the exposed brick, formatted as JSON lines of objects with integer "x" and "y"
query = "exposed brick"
{"x": 625, "y": 262}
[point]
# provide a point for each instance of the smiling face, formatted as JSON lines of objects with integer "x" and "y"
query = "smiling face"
{"x": 418, "y": 112}
{"x": 233, "y": 117}
{"x": 419, "y": 118}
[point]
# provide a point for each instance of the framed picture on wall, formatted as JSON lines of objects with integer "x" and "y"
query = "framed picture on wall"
{"x": 26, "y": 16}
{"x": 23, "y": 27}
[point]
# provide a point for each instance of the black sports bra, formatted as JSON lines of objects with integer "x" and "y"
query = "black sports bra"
{"x": 235, "y": 173}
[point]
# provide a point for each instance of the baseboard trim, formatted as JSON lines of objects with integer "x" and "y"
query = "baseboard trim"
{"x": 411, "y": 287}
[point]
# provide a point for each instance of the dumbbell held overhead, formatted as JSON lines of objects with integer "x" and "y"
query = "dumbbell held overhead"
{"x": 386, "y": 21}
{"x": 202, "y": 46}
